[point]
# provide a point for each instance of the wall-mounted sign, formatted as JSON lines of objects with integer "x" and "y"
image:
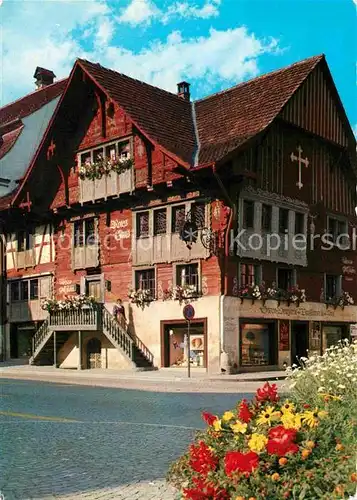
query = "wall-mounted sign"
{"x": 284, "y": 335}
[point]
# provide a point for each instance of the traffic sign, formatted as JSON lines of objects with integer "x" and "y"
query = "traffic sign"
{"x": 188, "y": 312}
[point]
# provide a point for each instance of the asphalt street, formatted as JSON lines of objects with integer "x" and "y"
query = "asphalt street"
{"x": 67, "y": 442}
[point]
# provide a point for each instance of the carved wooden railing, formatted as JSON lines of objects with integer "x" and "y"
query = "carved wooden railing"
{"x": 77, "y": 319}
{"x": 96, "y": 318}
{"x": 39, "y": 339}
{"x": 145, "y": 350}
{"x": 116, "y": 333}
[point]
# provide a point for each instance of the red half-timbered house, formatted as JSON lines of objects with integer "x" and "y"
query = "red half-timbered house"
{"x": 161, "y": 201}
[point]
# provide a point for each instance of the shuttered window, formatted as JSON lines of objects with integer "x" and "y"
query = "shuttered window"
{"x": 178, "y": 218}
{"x": 160, "y": 218}
{"x": 142, "y": 224}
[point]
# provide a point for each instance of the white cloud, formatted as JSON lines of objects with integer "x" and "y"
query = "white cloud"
{"x": 105, "y": 32}
{"x": 186, "y": 10}
{"x": 145, "y": 11}
{"x": 139, "y": 12}
{"x": 355, "y": 127}
{"x": 223, "y": 56}
{"x": 61, "y": 31}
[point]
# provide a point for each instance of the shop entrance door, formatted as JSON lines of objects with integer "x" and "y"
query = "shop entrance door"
{"x": 299, "y": 340}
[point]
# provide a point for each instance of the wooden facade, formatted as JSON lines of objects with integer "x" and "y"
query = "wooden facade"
{"x": 300, "y": 164}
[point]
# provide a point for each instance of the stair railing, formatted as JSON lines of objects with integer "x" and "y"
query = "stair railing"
{"x": 145, "y": 350}
{"x": 112, "y": 328}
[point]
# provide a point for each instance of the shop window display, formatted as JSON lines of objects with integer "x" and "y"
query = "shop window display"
{"x": 255, "y": 344}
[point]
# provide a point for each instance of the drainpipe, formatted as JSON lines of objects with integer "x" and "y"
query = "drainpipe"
{"x": 2, "y": 295}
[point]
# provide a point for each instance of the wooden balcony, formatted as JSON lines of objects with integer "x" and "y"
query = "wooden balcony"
{"x": 86, "y": 256}
{"x": 109, "y": 185}
{"x": 76, "y": 320}
{"x": 166, "y": 248}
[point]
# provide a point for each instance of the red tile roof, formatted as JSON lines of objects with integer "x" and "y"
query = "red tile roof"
{"x": 31, "y": 102}
{"x": 163, "y": 116}
{"x": 224, "y": 120}
{"x": 228, "y": 119}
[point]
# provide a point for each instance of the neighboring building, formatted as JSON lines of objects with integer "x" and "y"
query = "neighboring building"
{"x": 275, "y": 155}
{"x": 22, "y": 125}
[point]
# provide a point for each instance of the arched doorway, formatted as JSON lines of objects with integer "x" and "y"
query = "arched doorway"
{"x": 94, "y": 353}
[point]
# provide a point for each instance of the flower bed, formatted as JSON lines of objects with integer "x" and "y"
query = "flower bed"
{"x": 271, "y": 448}
{"x": 69, "y": 303}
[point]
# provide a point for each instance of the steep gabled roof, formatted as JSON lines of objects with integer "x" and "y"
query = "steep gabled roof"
{"x": 229, "y": 118}
{"x": 31, "y": 102}
{"x": 163, "y": 116}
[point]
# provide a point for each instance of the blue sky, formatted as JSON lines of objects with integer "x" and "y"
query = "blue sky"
{"x": 213, "y": 44}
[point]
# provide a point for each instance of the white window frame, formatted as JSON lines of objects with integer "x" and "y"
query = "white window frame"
{"x": 103, "y": 147}
{"x": 145, "y": 268}
{"x": 199, "y": 272}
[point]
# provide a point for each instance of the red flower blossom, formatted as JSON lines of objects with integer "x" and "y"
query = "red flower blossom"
{"x": 267, "y": 393}
{"x": 208, "y": 417}
{"x": 243, "y": 462}
{"x": 281, "y": 441}
{"x": 205, "y": 491}
{"x": 202, "y": 459}
{"x": 244, "y": 414}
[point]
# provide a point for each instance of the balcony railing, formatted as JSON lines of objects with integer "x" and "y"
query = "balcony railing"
{"x": 109, "y": 185}
{"x": 76, "y": 320}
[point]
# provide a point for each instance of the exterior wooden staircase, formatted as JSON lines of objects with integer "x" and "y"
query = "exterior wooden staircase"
{"x": 95, "y": 319}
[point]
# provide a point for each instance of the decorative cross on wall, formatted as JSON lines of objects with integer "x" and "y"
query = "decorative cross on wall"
{"x": 51, "y": 150}
{"x": 302, "y": 161}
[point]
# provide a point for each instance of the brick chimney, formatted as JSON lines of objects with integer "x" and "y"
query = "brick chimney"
{"x": 43, "y": 77}
{"x": 183, "y": 90}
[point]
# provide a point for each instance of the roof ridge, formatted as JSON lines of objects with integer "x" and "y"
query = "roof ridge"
{"x": 36, "y": 91}
{"x": 261, "y": 77}
{"x": 131, "y": 78}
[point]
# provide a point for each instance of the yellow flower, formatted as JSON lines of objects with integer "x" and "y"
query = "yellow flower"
{"x": 311, "y": 418}
{"x": 228, "y": 415}
{"x": 267, "y": 416}
{"x": 239, "y": 427}
{"x": 291, "y": 421}
{"x": 288, "y": 407}
{"x": 217, "y": 425}
{"x": 257, "y": 442}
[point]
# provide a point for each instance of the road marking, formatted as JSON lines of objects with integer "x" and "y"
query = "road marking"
{"x": 35, "y": 417}
{"x": 114, "y": 422}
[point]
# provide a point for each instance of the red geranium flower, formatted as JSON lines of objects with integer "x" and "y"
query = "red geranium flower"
{"x": 205, "y": 491}
{"x": 281, "y": 441}
{"x": 202, "y": 459}
{"x": 244, "y": 414}
{"x": 267, "y": 393}
{"x": 208, "y": 417}
{"x": 243, "y": 462}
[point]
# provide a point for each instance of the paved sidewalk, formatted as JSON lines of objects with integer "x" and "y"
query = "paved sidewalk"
{"x": 159, "y": 380}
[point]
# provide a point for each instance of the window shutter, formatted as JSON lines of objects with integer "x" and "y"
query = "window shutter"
{"x": 45, "y": 287}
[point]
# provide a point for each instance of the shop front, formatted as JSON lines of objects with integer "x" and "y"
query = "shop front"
{"x": 271, "y": 336}
{"x": 180, "y": 342}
